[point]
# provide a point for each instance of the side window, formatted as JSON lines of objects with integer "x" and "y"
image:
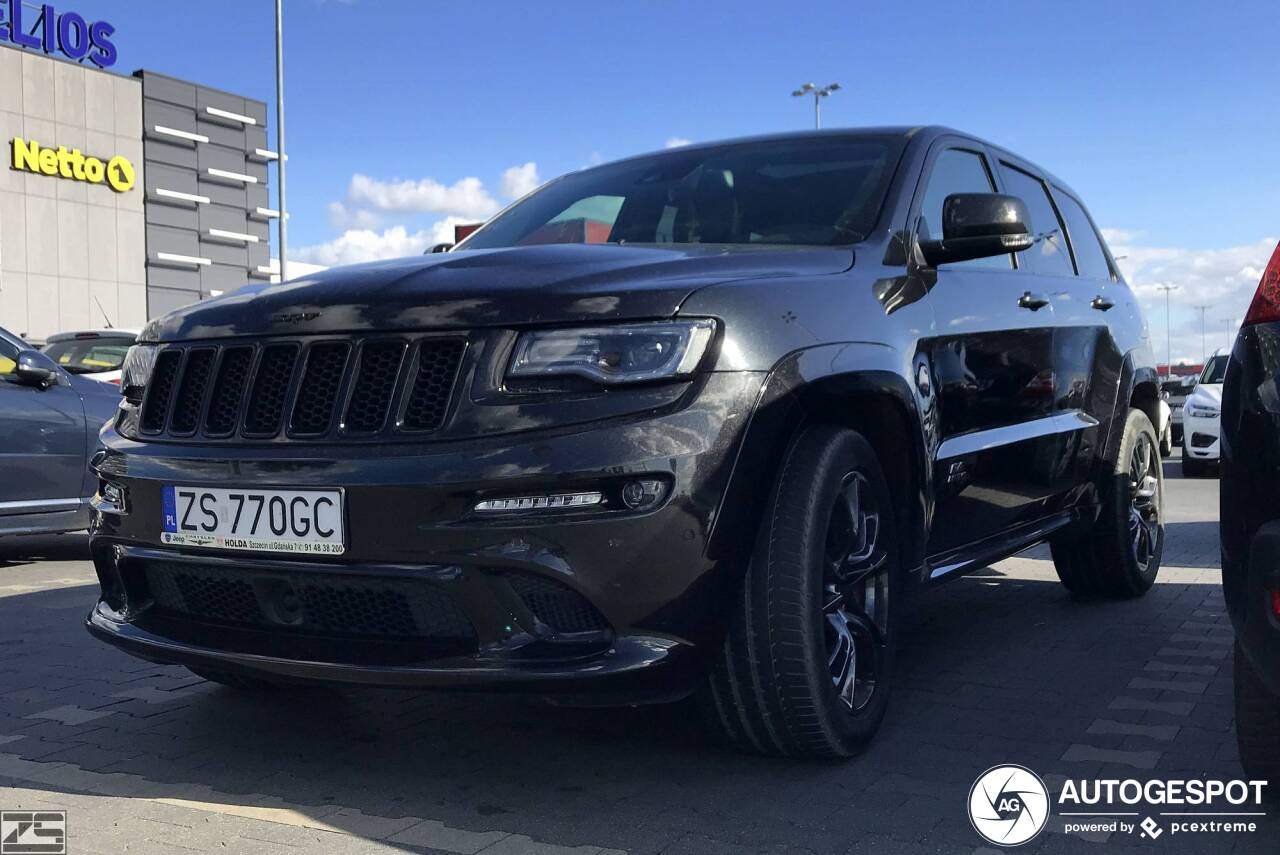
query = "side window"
{"x": 1090, "y": 257}
{"x": 8, "y": 357}
{"x": 1049, "y": 253}
{"x": 956, "y": 170}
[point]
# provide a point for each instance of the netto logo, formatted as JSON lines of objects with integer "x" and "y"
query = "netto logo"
{"x": 1008, "y": 805}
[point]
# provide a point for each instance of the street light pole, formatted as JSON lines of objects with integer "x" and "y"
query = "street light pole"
{"x": 819, "y": 92}
{"x": 1168, "y": 327}
{"x": 1230, "y": 322}
{"x": 284, "y": 216}
{"x": 1203, "y": 347}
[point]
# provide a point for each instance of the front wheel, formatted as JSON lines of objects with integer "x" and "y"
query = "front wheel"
{"x": 1119, "y": 555}
{"x": 806, "y": 665}
{"x": 1166, "y": 442}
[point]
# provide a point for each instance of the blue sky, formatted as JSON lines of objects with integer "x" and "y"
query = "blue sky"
{"x": 1161, "y": 115}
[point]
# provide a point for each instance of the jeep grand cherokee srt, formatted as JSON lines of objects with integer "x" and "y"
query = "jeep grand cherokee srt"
{"x": 696, "y": 422}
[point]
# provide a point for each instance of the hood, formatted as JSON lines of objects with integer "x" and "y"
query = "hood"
{"x": 1206, "y": 395}
{"x": 560, "y": 283}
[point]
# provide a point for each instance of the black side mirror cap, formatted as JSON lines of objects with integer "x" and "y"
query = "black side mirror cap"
{"x": 979, "y": 225}
{"x": 440, "y": 247}
{"x": 36, "y": 369}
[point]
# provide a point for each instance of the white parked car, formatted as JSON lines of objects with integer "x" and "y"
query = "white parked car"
{"x": 96, "y": 354}
{"x": 1165, "y": 428}
{"x": 1202, "y": 418}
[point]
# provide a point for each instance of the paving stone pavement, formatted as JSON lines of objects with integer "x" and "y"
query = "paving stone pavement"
{"x": 1001, "y": 667}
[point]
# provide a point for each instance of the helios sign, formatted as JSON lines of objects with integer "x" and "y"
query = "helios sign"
{"x": 43, "y": 27}
{"x": 117, "y": 172}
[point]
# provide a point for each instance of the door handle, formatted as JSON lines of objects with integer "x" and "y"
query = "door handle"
{"x": 1034, "y": 302}
{"x": 1101, "y": 303}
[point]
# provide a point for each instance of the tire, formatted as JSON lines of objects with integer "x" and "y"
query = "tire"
{"x": 1191, "y": 467}
{"x": 806, "y": 665}
{"x": 1166, "y": 442}
{"x": 1119, "y": 555}
{"x": 234, "y": 680}
{"x": 1257, "y": 724}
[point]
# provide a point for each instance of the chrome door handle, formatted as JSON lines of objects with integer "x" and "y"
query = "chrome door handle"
{"x": 1034, "y": 302}
{"x": 1101, "y": 303}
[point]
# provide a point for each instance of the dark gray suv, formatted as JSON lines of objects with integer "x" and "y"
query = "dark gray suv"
{"x": 692, "y": 423}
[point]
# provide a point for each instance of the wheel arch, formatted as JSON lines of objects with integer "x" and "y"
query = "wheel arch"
{"x": 809, "y": 387}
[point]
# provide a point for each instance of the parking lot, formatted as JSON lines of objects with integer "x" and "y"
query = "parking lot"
{"x": 1002, "y": 667}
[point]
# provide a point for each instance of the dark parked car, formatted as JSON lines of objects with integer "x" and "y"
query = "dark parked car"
{"x": 49, "y": 422}
{"x": 693, "y": 422}
{"x": 1250, "y": 517}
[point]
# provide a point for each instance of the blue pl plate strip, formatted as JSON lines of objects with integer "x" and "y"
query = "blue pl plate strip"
{"x": 170, "y": 509}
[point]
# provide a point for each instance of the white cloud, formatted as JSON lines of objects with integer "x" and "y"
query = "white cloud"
{"x": 342, "y": 217}
{"x": 358, "y": 245}
{"x": 676, "y": 142}
{"x": 466, "y": 197}
{"x": 520, "y": 180}
{"x": 1221, "y": 279}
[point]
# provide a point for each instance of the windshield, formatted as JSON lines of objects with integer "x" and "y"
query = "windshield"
{"x": 89, "y": 356}
{"x": 1215, "y": 370}
{"x": 824, "y": 192}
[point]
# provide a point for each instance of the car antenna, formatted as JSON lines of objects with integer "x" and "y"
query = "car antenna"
{"x": 105, "y": 316}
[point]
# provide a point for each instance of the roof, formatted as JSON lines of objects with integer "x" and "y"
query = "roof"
{"x": 105, "y": 333}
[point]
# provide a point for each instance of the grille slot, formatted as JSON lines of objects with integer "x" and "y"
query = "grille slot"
{"x": 321, "y": 382}
{"x": 557, "y": 605}
{"x": 433, "y": 383}
{"x": 375, "y": 384}
{"x": 191, "y": 388}
{"x": 155, "y": 410}
{"x": 228, "y": 391}
{"x": 320, "y": 604}
{"x": 270, "y": 388}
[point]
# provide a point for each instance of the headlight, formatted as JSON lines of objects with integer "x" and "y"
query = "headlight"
{"x": 136, "y": 371}
{"x": 1200, "y": 411}
{"x": 630, "y": 353}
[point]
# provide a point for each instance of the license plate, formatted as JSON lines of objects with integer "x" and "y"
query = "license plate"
{"x": 307, "y": 521}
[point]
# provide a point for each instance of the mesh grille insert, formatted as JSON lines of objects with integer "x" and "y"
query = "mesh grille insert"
{"x": 428, "y": 401}
{"x": 228, "y": 391}
{"x": 314, "y": 604}
{"x": 190, "y": 397}
{"x": 155, "y": 409}
{"x": 270, "y": 387}
{"x": 557, "y": 605}
{"x": 321, "y": 382}
{"x": 375, "y": 385}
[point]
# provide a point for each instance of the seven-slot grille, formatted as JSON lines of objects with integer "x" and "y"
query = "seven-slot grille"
{"x": 315, "y": 390}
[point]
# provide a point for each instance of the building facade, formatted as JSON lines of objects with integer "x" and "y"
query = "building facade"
{"x": 124, "y": 197}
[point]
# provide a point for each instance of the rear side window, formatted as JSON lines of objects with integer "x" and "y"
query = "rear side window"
{"x": 1049, "y": 253}
{"x": 1091, "y": 259}
{"x": 956, "y": 170}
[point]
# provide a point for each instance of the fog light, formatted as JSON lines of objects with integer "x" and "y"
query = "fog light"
{"x": 643, "y": 493}
{"x": 540, "y": 503}
{"x": 110, "y": 498}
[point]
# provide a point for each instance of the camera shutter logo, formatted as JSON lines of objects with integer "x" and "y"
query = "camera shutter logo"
{"x": 1008, "y": 805}
{"x": 25, "y": 832}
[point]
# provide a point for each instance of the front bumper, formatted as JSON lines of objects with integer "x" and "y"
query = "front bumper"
{"x": 1201, "y": 437}
{"x": 428, "y": 593}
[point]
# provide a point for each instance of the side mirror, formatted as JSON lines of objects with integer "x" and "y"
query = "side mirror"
{"x": 440, "y": 247}
{"x": 979, "y": 225}
{"x": 36, "y": 369}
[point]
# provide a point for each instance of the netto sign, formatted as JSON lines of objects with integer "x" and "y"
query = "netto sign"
{"x": 43, "y": 27}
{"x": 117, "y": 172}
